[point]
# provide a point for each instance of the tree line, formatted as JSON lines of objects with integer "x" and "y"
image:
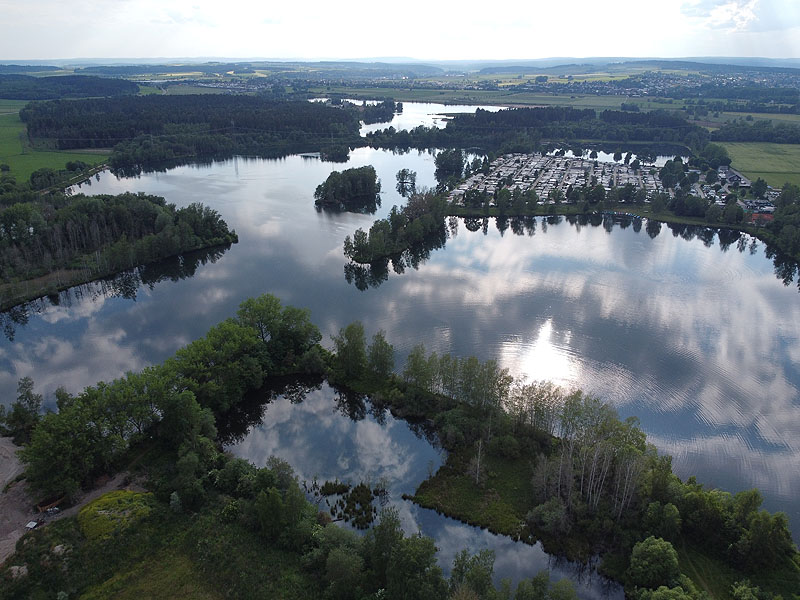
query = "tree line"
{"x": 147, "y": 131}
{"x": 523, "y": 129}
{"x": 740, "y": 130}
{"x": 25, "y": 87}
{"x": 593, "y": 477}
{"x": 101, "y": 234}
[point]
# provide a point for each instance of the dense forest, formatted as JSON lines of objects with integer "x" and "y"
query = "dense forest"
{"x": 97, "y": 235}
{"x": 152, "y": 131}
{"x": 758, "y": 131}
{"x": 25, "y": 87}
{"x": 355, "y": 190}
{"x": 527, "y": 460}
{"x": 522, "y": 129}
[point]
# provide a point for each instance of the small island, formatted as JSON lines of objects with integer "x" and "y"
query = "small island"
{"x": 353, "y": 190}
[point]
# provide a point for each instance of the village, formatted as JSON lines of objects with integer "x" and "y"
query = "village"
{"x": 547, "y": 174}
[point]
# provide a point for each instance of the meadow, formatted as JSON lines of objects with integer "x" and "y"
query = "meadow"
{"x": 16, "y": 152}
{"x": 775, "y": 163}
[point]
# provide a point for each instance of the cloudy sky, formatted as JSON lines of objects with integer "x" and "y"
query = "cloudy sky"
{"x": 49, "y": 29}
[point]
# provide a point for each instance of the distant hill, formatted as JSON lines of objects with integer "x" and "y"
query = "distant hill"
{"x": 25, "y": 87}
{"x": 580, "y": 67}
{"x": 5, "y": 69}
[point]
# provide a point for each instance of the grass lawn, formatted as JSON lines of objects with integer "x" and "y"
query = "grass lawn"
{"x": 24, "y": 160}
{"x": 166, "y": 575}
{"x": 501, "y": 504}
{"x": 775, "y": 163}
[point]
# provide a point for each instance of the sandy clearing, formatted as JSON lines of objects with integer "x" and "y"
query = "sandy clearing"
{"x": 17, "y": 507}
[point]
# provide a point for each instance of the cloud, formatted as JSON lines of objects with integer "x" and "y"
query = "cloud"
{"x": 731, "y": 15}
{"x": 752, "y": 16}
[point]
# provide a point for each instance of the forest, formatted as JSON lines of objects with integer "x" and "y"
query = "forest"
{"x": 523, "y": 129}
{"x": 525, "y": 459}
{"x": 154, "y": 131}
{"x": 97, "y": 235}
{"x": 758, "y": 131}
{"x": 25, "y": 87}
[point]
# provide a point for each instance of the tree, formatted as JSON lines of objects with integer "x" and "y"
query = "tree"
{"x": 449, "y": 163}
{"x": 344, "y": 572}
{"x": 380, "y": 543}
{"x": 351, "y": 351}
{"x": 406, "y": 182}
{"x": 759, "y": 188}
{"x": 269, "y": 509}
{"x": 412, "y": 573}
{"x": 474, "y": 572}
{"x": 24, "y": 413}
{"x": 380, "y": 356}
{"x": 654, "y": 562}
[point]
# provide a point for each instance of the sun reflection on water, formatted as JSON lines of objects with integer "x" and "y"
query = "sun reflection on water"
{"x": 547, "y": 357}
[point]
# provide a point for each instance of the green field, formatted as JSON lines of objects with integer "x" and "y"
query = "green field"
{"x": 24, "y": 160}
{"x": 775, "y": 163}
{"x": 711, "y": 121}
{"x": 185, "y": 90}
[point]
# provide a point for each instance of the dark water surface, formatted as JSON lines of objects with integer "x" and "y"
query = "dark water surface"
{"x": 701, "y": 344}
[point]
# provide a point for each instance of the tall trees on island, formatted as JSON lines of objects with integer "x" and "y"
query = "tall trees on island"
{"x": 355, "y": 190}
{"x": 101, "y": 234}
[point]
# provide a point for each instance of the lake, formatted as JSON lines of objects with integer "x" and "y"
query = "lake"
{"x": 698, "y": 339}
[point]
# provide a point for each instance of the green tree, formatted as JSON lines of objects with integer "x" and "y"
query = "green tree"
{"x": 269, "y": 509}
{"x": 759, "y": 188}
{"x": 344, "y": 572}
{"x": 351, "y": 351}
{"x": 220, "y": 367}
{"x": 406, "y": 182}
{"x": 412, "y": 573}
{"x": 380, "y": 356}
{"x": 380, "y": 543}
{"x": 654, "y": 562}
{"x": 24, "y": 414}
{"x": 473, "y": 571}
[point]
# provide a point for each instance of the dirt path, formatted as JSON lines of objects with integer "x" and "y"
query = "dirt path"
{"x": 17, "y": 507}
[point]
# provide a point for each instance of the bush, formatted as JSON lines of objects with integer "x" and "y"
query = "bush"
{"x": 114, "y": 512}
{"x": 654, "y": 563}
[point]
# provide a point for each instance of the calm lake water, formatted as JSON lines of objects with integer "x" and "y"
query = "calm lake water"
{"x": 697, "y": 339}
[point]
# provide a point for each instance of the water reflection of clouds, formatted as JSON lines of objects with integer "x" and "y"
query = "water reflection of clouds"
{"x": 513, "y": 560}
{"x": 716, "y": 329}
{"x": 318, "y": 441}
{"x": 497, "y": 271}
{"x": 729, "y": 460}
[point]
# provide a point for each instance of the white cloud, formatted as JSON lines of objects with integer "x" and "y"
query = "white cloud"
{"x": 313, "y": 29}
